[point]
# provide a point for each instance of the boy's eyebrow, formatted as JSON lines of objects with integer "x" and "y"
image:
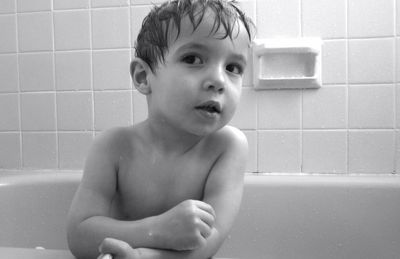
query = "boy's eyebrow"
{"x": 203, "y": 47}
{"x": 241, "y": 58}
{"x": 193, "y": 45}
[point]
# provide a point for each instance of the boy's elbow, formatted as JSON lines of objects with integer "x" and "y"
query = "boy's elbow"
{"x": 78, "y": 244}
{"x": 80, "y": 250}
{"x": 74, "y": 243}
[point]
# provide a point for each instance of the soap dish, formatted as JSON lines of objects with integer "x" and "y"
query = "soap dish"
{"x": 287, "y": 63}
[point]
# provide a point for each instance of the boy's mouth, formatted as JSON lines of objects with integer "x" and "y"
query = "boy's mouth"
{"x": 210, "y": 107}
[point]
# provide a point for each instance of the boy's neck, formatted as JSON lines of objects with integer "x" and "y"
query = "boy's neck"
{"x": 167, "y": 138}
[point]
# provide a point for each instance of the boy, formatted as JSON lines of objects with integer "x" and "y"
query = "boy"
{"x": 170, "y": 187}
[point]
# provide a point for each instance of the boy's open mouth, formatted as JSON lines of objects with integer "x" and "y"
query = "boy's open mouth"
{"x": 210, "y": 107}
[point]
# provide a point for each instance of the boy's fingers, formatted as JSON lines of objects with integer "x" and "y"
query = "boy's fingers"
{"x": 114, "y": 246}
{"x": 205, "y": 230}
{"x": 207, "y": 218}
{"x": 207, "y": 207}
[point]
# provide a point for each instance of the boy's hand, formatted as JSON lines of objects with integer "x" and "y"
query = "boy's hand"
{"x": 118, "y": 249}
{"x": 187, "y": 225}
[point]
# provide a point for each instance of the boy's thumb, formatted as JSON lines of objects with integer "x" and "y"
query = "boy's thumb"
{"x": 113, "y": 246}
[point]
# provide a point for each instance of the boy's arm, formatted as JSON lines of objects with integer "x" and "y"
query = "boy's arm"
{"x": 90, "y": 216}
{"x": 223, "y": 191}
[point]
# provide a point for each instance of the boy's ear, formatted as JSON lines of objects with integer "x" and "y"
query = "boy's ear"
{"x": 140, "y": 71}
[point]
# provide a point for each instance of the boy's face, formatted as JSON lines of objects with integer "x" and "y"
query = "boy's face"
{"x": 198, "y": 87}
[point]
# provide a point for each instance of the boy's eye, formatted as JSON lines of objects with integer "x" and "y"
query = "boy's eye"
{"x": 192, "y": 60}
{"x": 235, "y": 69}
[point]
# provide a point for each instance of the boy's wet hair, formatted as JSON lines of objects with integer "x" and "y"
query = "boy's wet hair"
{"x": 154, "y": 36}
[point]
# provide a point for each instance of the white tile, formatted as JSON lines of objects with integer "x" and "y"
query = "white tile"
{"x": 8, "y": 32}
{"x": 72, "y": 30}
{"x": 246, "y": 113}
{"x": 279, "y": 151}
{"x": 9, "y": 112}
{"x": 138, "y": 13}
{"x": 325, "y": 108}
{"x": 38, "y": 111}
{"x": 73, "y": 149}
{"x": 36, "y": 71}
{"x": 139, "y": 107}
{"x": 74, "y": 111}
{"x": 111, "y": 69}
{"x": 371, "y": 151}
{"x": 279, "y": 109}
{"x": 334, "y": 60}
{"x": 371, "y": 106}
{"x": 109, "y": 3}
{"x": 369, "y": 19}
{"x": 277, "y": 18}
{"x": 70, "y": 4}
{"x": 112, "y": 109}
{"x": 73, "y": 70}
{"x": 324, "y": 18}
{"x": 10, "y": 151}
{"x": 7, "y": 6}
{"x": 110, "y": 28}
{"x": 39, "y": 150}
{"x": 8, "y": 73}
{"x": 251, "y": 136}
{"x": 371, "y": 61}
{"x": 35, "y": 32}
{"x": 30, "y": 6}
{"x": 325, "y": 151}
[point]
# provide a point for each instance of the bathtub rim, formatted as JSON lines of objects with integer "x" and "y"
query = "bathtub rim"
{"x": 28, "y": 176}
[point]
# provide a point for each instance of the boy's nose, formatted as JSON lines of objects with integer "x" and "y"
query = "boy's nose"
{"x": 215, "y": 81}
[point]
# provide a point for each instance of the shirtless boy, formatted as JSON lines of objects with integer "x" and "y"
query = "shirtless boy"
{"x": 170, "y": 186}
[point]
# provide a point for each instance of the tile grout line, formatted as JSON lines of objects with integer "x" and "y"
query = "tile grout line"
{"x": 347, "y": 88}
{"x": 92, "y": 68}
{"x": 55, "y": 88}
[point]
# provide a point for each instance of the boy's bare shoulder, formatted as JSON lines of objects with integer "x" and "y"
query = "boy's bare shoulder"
{"x": 116, "y": 135}
{"x": 114, "y": 141}
{"x": 228, "y": 138}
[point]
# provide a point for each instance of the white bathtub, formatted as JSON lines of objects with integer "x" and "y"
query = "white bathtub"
{"x": 283, "y": 217}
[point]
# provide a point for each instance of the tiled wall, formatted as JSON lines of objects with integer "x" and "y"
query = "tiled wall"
{"x": 64, "y": 77}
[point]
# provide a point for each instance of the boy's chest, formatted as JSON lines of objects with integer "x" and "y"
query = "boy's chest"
{"x": 151, "y": 186}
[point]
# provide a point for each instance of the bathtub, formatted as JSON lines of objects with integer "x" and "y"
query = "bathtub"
{"x": 282, "y": 216}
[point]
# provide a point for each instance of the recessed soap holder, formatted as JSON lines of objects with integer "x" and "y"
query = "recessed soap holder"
{"x": 287, "y": 63}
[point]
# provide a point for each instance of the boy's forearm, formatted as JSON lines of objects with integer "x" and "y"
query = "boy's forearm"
{"x": 214, "y": 241}
{"x": 86, "y": 237}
